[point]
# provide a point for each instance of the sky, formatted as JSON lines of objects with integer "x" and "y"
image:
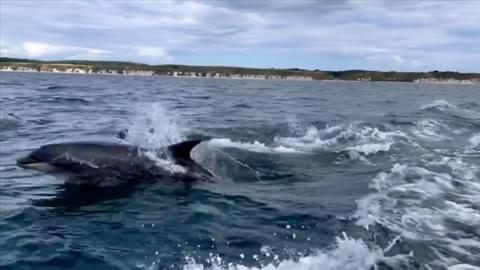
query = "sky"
{"x": 323, "y": 34}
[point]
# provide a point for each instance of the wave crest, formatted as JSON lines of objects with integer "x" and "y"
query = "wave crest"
{"x": 438, "y": 104}
{"x": 475, "y": 140}
{"x": 446, "y": 108}
{"x": 431, "y": 130}
{"x": 254, "y": 146}
{"x": 347, "y": 253}
{"x": 356, "y": 139}
{"x": 425, "y": 205}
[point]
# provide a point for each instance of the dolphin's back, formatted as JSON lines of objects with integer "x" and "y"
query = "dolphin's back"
{"x": 99, "y": 154}
{"x": 98, "y": 164}
{"x": 102, "y": 152}
{"x": 106, "y": 164}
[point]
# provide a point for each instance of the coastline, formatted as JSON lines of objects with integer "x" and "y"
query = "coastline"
{"x": 144, "y": 73}
{"x": 236, "y": 73}
{"x": 169, "y": 74}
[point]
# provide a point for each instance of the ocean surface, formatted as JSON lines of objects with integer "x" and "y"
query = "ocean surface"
{"x": 312, "y": 175}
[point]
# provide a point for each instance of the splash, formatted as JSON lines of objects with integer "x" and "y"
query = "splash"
{"x": 356, "y": 139}
{"x": 223, "y": 165}
{"x": 312, "y": 139}
{"x": 439, "y": 104}
{"x": 368, "y": 149}
{"x": 253, "y": 146}
{"x": 153, "y": 128}
{"x": 425, "y": 204}
{"x": 347, "y": 254}
{"x": 475, "y": 140}
{"x": 431, "y": 130}
{"x": 448, "y": 108}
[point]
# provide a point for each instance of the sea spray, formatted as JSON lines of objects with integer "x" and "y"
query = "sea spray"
{"x": 424, "y": 204}
{"x": 153, "y": 128}
{"x": 347, "y": 253}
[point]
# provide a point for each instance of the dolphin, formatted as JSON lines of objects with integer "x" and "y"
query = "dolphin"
{"x": 102, "y": 164}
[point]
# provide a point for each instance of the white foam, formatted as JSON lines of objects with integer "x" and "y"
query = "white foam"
{"x": 463, "y": 266}
{"x": 369, "y": 148}
{"x": 445, "y": 106}
{"x": 429, "y": 129}
{"x": 475, "y": 140}
{"x": 153, "y": 128}
{"x": 310, "y": 140}
{"x": 440, "y": 103}
{"x": 421, "y": 204}
{"x": 222, "y": 164}
{"x": 347, "y": 254}
{"x": 254, "y": 146}
{"x": 165, "y": 163}
{"x": 356, "y": 139}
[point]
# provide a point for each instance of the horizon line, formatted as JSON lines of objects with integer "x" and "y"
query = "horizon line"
{"x": 228, "y": 66}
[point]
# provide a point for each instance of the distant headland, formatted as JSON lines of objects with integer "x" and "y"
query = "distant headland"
{"x": 128, "y": 68}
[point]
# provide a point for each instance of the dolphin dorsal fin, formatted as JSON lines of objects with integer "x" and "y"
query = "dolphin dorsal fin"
{"x": 181, "y": 151}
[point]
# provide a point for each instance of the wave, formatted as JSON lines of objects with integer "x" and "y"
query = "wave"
{"x": 475, "y": 140}
{"x": 9, "y": 123}
{"x": 71, "y": 100}
{"x": 357, "y": 140}
{"x": 67, "y": 100}
{"x": 55, "y": 87}
{"x": 342, "y": 135}
{"x": 4, "y": 83}
{"x": 431, "y": 130}
{"x": 166, "y": 163}
{"x": 312, "y": 139}
{"x": 243, "y": 105}
{"x": 355, "y": 152}
{"x": 223, "y": 165}
{"x": 468, "y": 105}
{"x": 454, "y": 120}
{"x": 426, "y": 205}
{"x": 254, "y": 146}
{"x": 445, "y": 107}
{"x": 347, "y": 253}
{"x": 198, "y": 97}
{"x": 438, "y": 104}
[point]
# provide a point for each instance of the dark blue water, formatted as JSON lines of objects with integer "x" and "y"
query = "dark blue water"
{"x": 314, "y": 175}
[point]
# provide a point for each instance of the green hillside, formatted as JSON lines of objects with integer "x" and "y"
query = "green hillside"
{"x": 227, "y": 71}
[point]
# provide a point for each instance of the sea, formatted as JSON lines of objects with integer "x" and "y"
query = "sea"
{"x": 310, "y": 174}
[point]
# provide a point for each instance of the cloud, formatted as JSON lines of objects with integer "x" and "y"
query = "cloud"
{"x": 156, "y": 52}
{"x": 325, "y": 34}
{"x": 48, "y": 51}
{"x": 37, "y": 49}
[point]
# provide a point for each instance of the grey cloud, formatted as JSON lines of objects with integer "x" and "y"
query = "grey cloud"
{"x": 298, "y": 7}
{"x": 383, "y": 34}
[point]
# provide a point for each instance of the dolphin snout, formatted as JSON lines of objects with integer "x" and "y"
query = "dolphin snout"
{"x": 29, "y": 162}
{"x": 25, "y": 161}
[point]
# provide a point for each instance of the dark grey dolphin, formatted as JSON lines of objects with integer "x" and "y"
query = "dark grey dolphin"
{"x": 111, "y": 164}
